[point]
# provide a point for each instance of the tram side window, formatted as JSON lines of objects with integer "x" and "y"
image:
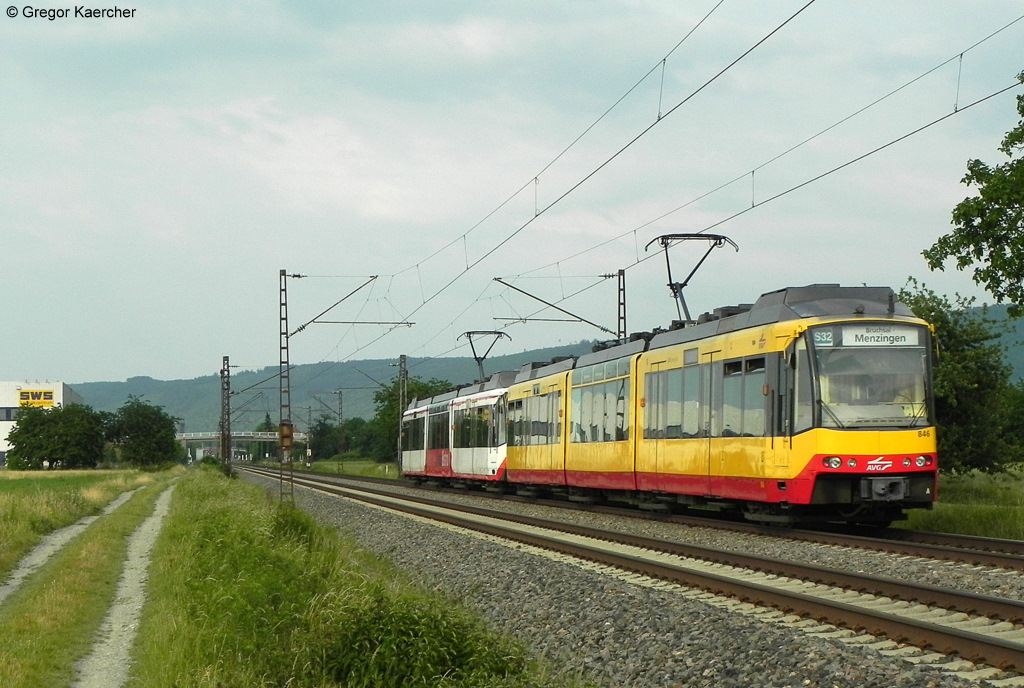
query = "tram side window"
{"x": 575, "y": 405}
{"x": 498, "y": 426}
{"x": 732, "y": 399}
{"x": 743, "y": 401}
{"x": 534, "y": 421}
{"x": 515, "y": 422}
{"x": 691, "y": 401}
{"x": 472, "y": 427}
{"x": 753, "y": 397}
{"x": 437, "y": 430}
{"x": 412, "y": 434}
{"x": 672, "y": 401}
{"x": 600, "y": 412}
{"x": 803, "y": 416}
{"x": 554, "y": 417}
{"x": 537, "y": 414}
{"x": 596, "y": 412}
{"x": 621, "y": 409}
{"x": 654, "y": 407}
{"x": 463, "y": 428}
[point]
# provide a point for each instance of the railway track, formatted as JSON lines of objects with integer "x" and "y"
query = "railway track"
{"x": 980, "y": 628}
{"x": 966, "y": 549}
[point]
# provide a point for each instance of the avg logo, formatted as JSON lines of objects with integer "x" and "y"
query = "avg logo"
{"x": 879, "y": 464}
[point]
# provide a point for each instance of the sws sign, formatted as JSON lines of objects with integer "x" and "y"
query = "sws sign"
{"x": 36, "y": 397}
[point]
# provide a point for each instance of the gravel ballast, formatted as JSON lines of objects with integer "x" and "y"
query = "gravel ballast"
{"x": 619, "y": 633}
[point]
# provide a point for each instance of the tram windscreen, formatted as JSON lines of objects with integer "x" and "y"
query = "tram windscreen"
{"x": 872, "y": 375}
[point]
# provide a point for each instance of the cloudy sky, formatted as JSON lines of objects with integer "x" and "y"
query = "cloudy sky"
{"x": 157, "y": 171}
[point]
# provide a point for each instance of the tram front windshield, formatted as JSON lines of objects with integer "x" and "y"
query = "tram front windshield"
{"x": 872, "y": 375}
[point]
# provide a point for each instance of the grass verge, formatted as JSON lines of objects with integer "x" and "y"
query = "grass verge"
{"x": 358, "y": 467}
{"x": 50, "y": 622}
{"x": 35, "y": 503}
{"x": 247, "y": 592}
{"x": 988, "y": 505}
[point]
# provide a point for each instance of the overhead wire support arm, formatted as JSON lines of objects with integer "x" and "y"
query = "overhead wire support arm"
{"x": 364, "y": 322}
{"x": 314, "y": 320}
{"x": 551, "y": 305}
{"x": 667, "y": 241}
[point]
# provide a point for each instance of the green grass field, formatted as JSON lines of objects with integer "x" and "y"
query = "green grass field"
{"x": 34, "y": 503}
{"x": 976, "y": 504}
{"x": 49, "y": 622}
{"x": 245, "y": 591}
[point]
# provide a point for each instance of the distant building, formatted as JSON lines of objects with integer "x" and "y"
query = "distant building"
{"x": 14, "y": 395}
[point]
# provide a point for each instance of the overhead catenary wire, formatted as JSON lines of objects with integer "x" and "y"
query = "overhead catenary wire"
{"x": 535, "y": 179}
{"x": 816, "y": 178}
{"x": 754, "y": 202}
{"x": 540, "y": 211}
{"x": 859, "y": 111}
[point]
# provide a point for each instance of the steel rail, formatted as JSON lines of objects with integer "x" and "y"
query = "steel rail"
{"x": 978, "y": 647}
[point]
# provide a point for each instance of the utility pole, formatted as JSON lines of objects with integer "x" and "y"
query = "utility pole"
{"x": 341, "y": 415}
{"x": 225, "y": 415}
{"x": 287, "y": 469}
{"x": 403, "y": 381}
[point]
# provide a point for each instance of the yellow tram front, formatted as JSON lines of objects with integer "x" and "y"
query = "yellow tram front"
{"x": 813, "y": 404}
{"x": 861, "y": 419}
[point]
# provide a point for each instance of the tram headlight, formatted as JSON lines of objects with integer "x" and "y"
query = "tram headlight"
{"x": 907, "y": 461}
{"x": 852, "y": 463}
{"x": 923, "y": 461}
{"x": 832, "y": 462}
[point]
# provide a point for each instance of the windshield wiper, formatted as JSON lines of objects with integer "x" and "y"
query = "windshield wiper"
{"x": 832, "y": 415}
{"x": 918, "y": 414}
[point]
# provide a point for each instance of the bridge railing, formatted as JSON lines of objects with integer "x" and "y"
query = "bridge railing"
{"x": 214, "y": 435}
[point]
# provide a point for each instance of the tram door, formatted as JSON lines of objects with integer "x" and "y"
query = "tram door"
{"x": 657, "y": 394}
{"x": 554, "y": 459}
{"x": 709, "y": 414}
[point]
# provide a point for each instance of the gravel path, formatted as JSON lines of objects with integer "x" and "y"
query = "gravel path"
{"x": 52, "y": 543}
{"x": 108, "y": 664}
{"x": 628, "y": 631}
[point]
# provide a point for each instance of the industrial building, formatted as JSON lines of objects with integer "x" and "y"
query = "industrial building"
{"x": 14, "y": 395}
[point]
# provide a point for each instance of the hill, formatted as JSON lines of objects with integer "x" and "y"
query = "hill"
{"x": 1012, "y": 339}
{"x": 313, "y": 388}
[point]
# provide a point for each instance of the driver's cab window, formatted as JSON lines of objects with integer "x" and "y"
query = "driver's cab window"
{"x": 803, "y": 395}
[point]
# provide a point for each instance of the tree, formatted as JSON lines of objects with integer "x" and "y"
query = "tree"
{"x": 358, "y": 436}
{"x": 326, "y": 438}
{"x": 267, "y": 425}
{"x": 31, "y": 439}
{"x": 82, "y": 436}
{"x": 71, "y": 436}
{"x": 145, "y": 433}
{"x": 990, "y": 226}
{"x": 387, "y": 412}
{"x": 974, "y": 399}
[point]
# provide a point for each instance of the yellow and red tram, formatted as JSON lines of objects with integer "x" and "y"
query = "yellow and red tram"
{"x": 814, "y": 403}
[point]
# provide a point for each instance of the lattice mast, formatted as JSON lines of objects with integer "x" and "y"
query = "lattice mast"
{"x": 225, "y": 414}
{"x": 287, "y": 468}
